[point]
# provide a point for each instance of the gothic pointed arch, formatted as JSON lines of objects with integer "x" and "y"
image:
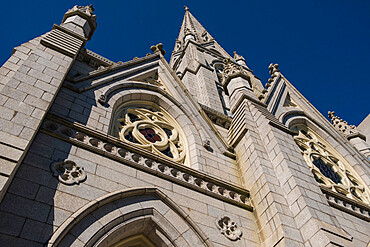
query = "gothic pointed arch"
{"x": 168, "y": 121}
{"x": 329, "y": 167}
{"x": 139, "y": 215}
{"x": 147, "y": 125}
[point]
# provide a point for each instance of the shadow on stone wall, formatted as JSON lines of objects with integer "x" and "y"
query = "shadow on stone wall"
{"x": 36, "y": 202}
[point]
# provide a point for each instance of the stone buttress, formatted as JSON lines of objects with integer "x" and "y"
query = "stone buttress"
{"x": 29, "y": 82}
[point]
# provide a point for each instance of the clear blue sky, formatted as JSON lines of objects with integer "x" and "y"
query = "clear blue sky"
{"x": 322, "y": 47}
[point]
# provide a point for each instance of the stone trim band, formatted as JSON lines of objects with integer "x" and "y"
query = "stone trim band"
{"x": 113, "y": 148}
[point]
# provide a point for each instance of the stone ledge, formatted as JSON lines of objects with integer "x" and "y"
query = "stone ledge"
{"x": 346, "y": 204}
{"x": 123, "y": 152}
{"x": 63, "y": 42}
{"x": 115, "y": 66}
{"x": 216, "y": 117}
{"x": 98, "y": 57}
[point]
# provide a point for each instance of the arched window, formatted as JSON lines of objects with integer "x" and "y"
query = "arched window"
{"x": 149, "y": 126}
{"x": 329, "y": 168}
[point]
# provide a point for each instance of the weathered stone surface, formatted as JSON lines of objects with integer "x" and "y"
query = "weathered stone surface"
{"x": 237, "y": 135}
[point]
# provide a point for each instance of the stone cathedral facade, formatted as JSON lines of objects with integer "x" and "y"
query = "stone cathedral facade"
{"x": 194, "y": 152}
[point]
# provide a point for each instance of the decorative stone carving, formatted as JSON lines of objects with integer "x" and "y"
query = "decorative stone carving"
{"x": 177, "y": 45}
{"x": 274, "y": 70}
{"x": 207, "y": 145}
{"x": 156, "y": 81}
{"x": 289, "y": 102}
{"x": 68, "y": 172}
{"x": 189, "y": 35}
{"x": 102, "y": 99}
{"x": 233, "y": 69}
{"x": 88, "y": 10}
{"x": 88, "y": 138}
{"x": 216, "y": 117}
{"x": 330, "y": 170}
{"x": 344, "y": 203}
{"x": 238, "y": 57}
{"x": 228, "y": 228}
{"x": 158, "y": 48}
{"x": 342, "y": 126}
{"x": 153, "y": 129}
{"x": 205, "y": 37}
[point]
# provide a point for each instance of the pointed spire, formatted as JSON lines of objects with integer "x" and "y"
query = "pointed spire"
{"x": 191, "y": 29}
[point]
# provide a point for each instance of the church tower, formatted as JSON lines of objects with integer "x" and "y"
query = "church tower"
{"x": 199, "y": 61}
{"x": 194, "y": 152}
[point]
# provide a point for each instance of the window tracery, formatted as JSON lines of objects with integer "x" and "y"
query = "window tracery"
{"x": 328, "y": 167}
{"x": 152, "y": 128}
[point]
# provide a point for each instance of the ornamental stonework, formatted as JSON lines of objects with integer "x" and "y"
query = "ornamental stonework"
{"x": 330, "y": 170}
{"x": 228, "y": 228}
{"x": 68, "y": 172}
{"x": 153, "y": 129}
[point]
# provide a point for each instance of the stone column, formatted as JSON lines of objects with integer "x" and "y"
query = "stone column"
{"x": 33, "y": 76}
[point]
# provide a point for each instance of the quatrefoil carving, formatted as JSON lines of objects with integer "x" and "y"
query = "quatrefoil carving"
{"x": 228, "y": 228}
{"x": 68, "y": 172}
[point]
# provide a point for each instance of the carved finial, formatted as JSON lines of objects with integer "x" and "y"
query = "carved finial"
{"x": 331, "y": 114}
{"x": 274, "y": 70}
{"x": 231, "y": 68}
{"x": 158, "y": 48}
{"x": 89, "y": 10}
{"x": 341, "y": 126}
{"x": 186, "y": 8}
{"x": 238, "y": 57}
{"x": 80, "y": 20}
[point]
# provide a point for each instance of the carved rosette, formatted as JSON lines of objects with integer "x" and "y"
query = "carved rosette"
{"x": 330, "y": 170}
{"x": 68, "y": 172}
{"x": 228, "y": 228}
{"x": 153, "y": 130}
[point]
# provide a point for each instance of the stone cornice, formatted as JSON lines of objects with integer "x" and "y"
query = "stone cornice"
{"x": 216, "y": 117}
{"x": 115, "y": 67}
{"x": 123, "y": 152}
{"x": 66, "y": 30}
{"x": 346, "y": 204}
{"x": 97, "y": 57}
{"x": 63, "y": 41}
